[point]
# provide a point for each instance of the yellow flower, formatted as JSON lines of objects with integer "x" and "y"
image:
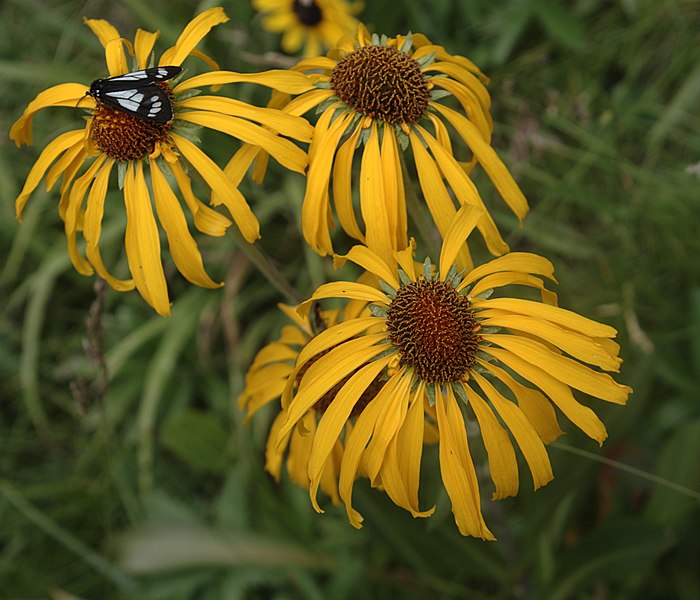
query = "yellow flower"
{"x": 316, "y": 24}
{"x": 388, "y": 95}
{"x": 265, "y": 383}
{"x": 85, "y": 158}
{"x": 446, "y": 348}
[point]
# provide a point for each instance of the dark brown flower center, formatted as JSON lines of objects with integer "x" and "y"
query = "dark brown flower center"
{"x": 308, "y": 12}
{"x": 324, "y": 401}
{"x": 434, "y": 329}
{"x": 123, "y": 136}
{"x": 382, "y": 83}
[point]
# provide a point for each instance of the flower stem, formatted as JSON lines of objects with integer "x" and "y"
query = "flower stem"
{"x": 418, "y": 213}
{"x": 262, "y": 261}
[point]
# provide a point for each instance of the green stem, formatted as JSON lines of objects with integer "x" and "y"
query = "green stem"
{"x": 263, "y": 263}
{"x": 420, "y": 216}
{"x": 671, "y": 485}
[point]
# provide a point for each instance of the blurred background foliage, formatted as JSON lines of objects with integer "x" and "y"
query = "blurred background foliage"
{"x": 126, "y": 470}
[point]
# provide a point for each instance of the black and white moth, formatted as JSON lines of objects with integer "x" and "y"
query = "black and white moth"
{"x": 137, "y": 93}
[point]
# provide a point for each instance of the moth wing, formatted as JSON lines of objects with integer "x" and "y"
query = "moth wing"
{"x": 149, "y": 102}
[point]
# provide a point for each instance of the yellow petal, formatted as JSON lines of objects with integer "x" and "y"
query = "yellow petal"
{"x": 193, "y": 33}
{"x": 393, "y": 189}
{"x": 581, "y": 416}
{"x": 334, "y": 419}
{"x": 579, "y": 346}
{"x": 279, "y": 121}
{"x": 537, "y": 409}
{"x": 461, "y": 74}
{"x": 370, "y": 261}
{"x": 438, "y": 199}
{"x": 388, "y": 423}
{"x": 557, "y": 315}
{"x": 373, "y": 203}
{"x": 206, "y": 219}
{"x": 143, "y": 46}
{"x": 327, "y": 371}
{"x": 405, "y": 260}
{"x": 529, "y": 442}
{"x": 566, "y": 370}
{"x": 314, "y": 210}
{"x": 183, "y": 248}
{"x": 74, "y": 154}
{"x": 274, "y": 452}
{"x": 342, "y": 186}
{"x": 521, "y": 262}
{"x": 62, "y": 143}
{"x": 502, "y": 463}
{"x": 496, "y": 280}
{"x": 290, "y": 82}
{"x": 465, "y": 191}
{"x": 456, "y": 237}
{"x": 346, "y": 289}
{"x": 469, "y": 101}
{"x": 357, "y": 441}
{"x": 487, "y": 157}
{"x": 457, "y": 468}
{"x": 332, "y": 337}
{"x": 75, "y": 201}
{"x": 64, "y": 94}
{"x": 112, "y": 43}
{"x": 93, "y": 229}
{"x": 284, "y": 151}
{"x": 142, "y": 241}
{"x": 221, "y": 187}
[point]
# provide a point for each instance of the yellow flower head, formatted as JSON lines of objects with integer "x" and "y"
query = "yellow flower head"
{"x": 441, "y": 347}
{"x": 85, "y": 158}
{"x": 315, "y": 24}
{"x": 385, "y": 98}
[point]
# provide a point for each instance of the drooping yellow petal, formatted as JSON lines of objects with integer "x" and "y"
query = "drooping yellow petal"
{"x": 75, "y": 153}
{"x": 373, "y": 203}
{"x": 487, "y": 157}
{"x": 356, "y": 443}
{"x": 314, "y": 211}
{"x": 566, "y": 370}
{"x": 221, "y": 186}
{"x": 64, "y": 94}
{"x": 284, "y": 151}
{"x": 579, "y": 346}
{"x": 112, "y": 43}
{"x": 438, "y": 199}
{"x": 557, "y": 315}
{"x": 388, "y": 423}
{"x": 465, "y": 191}
{"x": 529, "y": 442}
{"x": 193, "y": 33}
{"x": 581, "y": 416}
{"x": 93, "y": 228}
{"x": 467, "y": 218}
{"x": 277, "y": 120}
{"x": 457, "y": 468}
{"x": 334, "y": 419}
{"x": 142, "y": 241}
{"x": 75, "y": 201}
{"x": 535, "y": 406}
{"x": 206, "y": 219}
{"x": 342, "y": 187}
{"x": 327, "y": 371}
{"x": 333, "y": 336}
{"x": 393, "y": 189}
{"x": 469, "y": 101}
{"x": 183, "y": 248}
{"x": 52, "y": 151}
